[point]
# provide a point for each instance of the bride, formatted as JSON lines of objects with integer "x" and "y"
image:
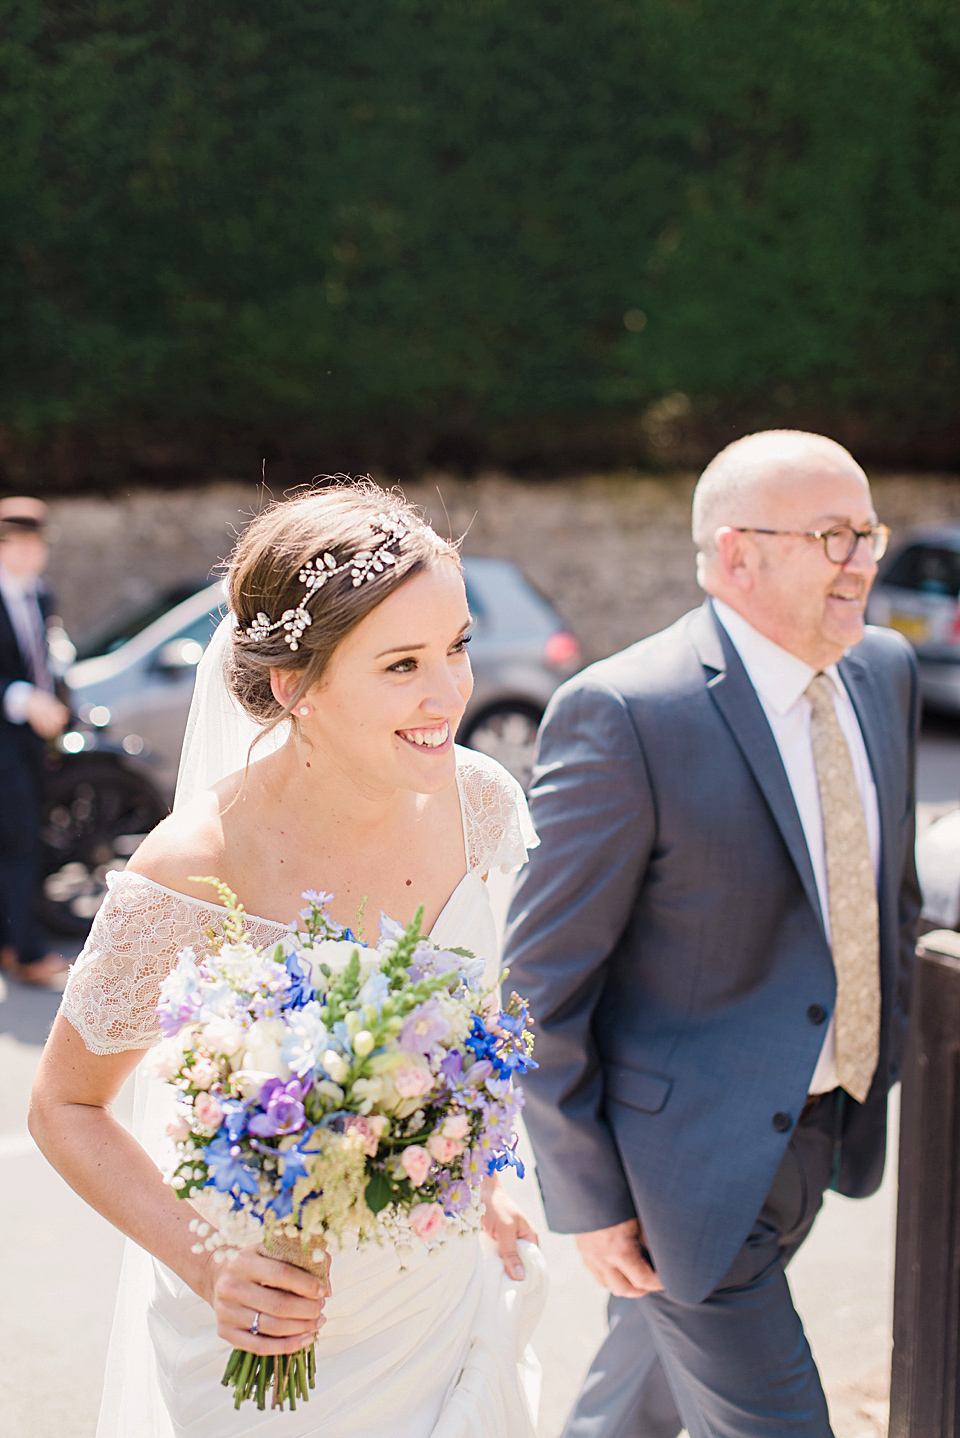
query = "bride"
{"x": 344, "y": 660}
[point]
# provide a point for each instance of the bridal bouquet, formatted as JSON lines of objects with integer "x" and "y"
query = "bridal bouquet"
{"x": 329, "y": 1088}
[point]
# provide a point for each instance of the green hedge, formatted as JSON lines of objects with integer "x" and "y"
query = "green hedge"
{"x": 395, "y": 230}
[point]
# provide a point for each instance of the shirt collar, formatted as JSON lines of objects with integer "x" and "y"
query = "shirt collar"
{"x": 778, "y": 676}
{"x": 13, "y": 587}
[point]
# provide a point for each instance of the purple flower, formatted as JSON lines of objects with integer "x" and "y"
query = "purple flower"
{"x": 454, "y": 1194}
{"x": 282, "y": 1105}
{"x": 428, "y": 962}
{"x": 452, "y": 1066}
{"x": 180, "y": 999}
{"x": 317, "y": 896}
{"x": 424, "y": 1028}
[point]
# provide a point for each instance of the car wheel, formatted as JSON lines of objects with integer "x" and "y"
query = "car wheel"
{"x": 94, "y": 815}
{"x": 508, "y": 733}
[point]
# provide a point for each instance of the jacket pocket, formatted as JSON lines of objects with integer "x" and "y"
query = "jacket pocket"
{"x": 637, "y": 1088}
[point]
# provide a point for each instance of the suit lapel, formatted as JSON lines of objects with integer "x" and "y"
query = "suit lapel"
{"x": 8, "y": 638}
{"x": 736, "y": 699}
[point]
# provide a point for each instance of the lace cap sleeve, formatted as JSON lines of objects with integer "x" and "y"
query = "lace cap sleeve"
{"x": 141, "y": 927}
{"x": 497, "y": 825}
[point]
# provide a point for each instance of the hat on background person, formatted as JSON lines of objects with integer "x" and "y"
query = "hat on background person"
{"x": 22, "y": 515}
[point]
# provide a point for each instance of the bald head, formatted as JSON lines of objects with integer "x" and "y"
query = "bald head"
{"x": 741, "y": 485}
{"x": 761, "y": 516}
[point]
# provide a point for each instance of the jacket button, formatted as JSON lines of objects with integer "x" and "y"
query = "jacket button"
{"x": 782, "y": 1122}
{"x": 816, "y": 1013}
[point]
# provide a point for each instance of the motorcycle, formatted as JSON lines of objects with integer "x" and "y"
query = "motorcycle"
{"x": 99, "y": 802}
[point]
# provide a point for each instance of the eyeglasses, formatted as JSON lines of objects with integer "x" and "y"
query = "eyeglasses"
{"x": 839, "y": 543}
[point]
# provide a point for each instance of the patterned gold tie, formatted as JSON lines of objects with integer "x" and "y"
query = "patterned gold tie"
{"x": 852, "y": 890}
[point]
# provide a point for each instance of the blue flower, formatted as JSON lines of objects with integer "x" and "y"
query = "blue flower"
{"x": 300, "y": 990}
{"x": 235, "y": 1115}
{"x": 507, "y": 1158}
{"x": 225, "y": 1164}
{"x": 294, "y": 1166}
{"x": 375, "y": 991}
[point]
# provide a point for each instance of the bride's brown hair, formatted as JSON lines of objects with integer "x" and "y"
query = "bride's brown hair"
{"x": 263, "y": 578}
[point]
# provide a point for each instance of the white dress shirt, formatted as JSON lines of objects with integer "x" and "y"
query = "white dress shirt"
{"x": 22, "y": 605}
{"x": 781, "y": 679}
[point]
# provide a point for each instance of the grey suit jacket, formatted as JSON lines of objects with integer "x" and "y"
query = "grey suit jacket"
{"x": 669, "y": 937}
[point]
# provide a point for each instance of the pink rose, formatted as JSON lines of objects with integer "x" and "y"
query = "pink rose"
{"x": 208, "y": 1110}
{"x": 178, "y": 1129}
{"x": 364, "y": 1129}
{"x": 427, "y": 1221}
{"x": 444, "y": 1149}
{"x": 412, "y": 1081}
{"x": 416, "y": 1165}
{"x": 204, "y": 1073}
{"x": 456, "y": 1126}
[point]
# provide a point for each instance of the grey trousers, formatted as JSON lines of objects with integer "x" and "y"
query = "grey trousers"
{"x": 737, "y": 1365}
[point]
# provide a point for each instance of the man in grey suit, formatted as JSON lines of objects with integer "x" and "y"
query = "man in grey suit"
{"x": 715, "y": 937}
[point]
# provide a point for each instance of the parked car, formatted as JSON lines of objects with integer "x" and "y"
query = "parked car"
{"x": 918, "y": 593}
{"x": 133, "y": 695}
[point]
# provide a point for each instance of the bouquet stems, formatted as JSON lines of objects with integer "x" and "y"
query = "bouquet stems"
{"x": 287, "y": 1376}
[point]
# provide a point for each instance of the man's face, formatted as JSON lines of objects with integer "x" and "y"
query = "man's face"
{"x": 798, "y": 597}
{"x": 24, "y": 555}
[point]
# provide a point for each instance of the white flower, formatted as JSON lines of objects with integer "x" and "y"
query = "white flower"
{"x": 221, "y": 1036}
{"x": 368, "y": 1091}
{"x": 306, "y": 1036}
{"x": 336, "y": 955}
{"x": 335, "y": 1065}
{"x": 249, "y": 1082}
{"x": 204, "y": 1072}
{"x": 166, "y": 1059}
{"x": 263, "y": 1048}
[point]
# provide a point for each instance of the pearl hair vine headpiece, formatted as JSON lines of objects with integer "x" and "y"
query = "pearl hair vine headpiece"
{"x": 365, "y": 565}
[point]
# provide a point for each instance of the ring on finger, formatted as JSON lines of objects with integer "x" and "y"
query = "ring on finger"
{"x": 255, "y": 1325}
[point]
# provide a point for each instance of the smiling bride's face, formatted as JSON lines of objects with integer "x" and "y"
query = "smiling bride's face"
{"x": 388, "y": 704}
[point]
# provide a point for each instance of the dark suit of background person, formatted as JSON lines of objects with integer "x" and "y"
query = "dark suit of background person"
{"x": 668, "y": 936}
{"x": 24, "y": 667}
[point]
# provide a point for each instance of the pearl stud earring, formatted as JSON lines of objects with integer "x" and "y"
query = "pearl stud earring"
{"x": 304, "y": 710}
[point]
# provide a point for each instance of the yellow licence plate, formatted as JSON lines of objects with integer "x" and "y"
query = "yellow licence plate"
{"x": 914, "y": 627}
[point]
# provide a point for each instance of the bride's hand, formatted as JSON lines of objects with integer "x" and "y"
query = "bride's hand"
{"x": 506, "y": 1224}
{"x": 289, "y": 1302}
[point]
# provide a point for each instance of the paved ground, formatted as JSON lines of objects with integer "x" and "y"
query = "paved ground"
{"x": 59, "y": 1261}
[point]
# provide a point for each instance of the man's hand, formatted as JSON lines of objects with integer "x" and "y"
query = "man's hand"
{"x": 613, "y": 1257}
{"x": 46, "y": 715}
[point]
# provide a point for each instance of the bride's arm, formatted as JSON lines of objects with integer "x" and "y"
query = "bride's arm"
{"x": 71, "y": 1121}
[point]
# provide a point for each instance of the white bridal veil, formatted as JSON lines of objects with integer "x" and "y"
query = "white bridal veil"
{"x": 216, "y": 743}
{"x": 219, "y": 732}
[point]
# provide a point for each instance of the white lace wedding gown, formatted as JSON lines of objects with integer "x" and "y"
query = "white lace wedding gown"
{"x": 437, "y": 1349}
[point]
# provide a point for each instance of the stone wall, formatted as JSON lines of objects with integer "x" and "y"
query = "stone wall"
{"x": 613, "y": 553}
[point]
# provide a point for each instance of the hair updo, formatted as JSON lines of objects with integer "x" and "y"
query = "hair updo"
{"x": 263, "y": 578}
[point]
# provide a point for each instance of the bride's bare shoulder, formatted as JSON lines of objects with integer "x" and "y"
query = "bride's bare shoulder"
{"x": 188, "y": 843}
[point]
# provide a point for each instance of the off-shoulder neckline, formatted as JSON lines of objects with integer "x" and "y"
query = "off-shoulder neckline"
{"x": 284, "y": 926}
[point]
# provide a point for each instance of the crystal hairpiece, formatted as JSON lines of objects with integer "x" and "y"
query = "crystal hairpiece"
{"x": 364, "y": 566}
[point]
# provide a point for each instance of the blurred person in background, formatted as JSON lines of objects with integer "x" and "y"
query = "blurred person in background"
{"x": 30, "y": 716}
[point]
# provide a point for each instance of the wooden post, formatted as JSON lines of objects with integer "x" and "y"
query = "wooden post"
{"x": 925, "y": 1390}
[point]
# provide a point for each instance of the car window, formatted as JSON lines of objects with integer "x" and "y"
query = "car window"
{"x": 474, "y": 605}
{"x": 927, "y": 568}
{"x": 106, "y": 639}
{"x": 201, "y": 630}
